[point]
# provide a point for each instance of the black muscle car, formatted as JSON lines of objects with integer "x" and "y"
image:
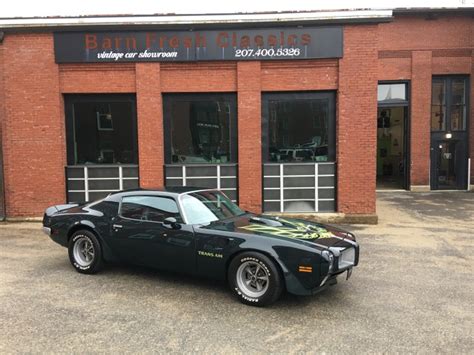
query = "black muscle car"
{"x": 202, "y": 232}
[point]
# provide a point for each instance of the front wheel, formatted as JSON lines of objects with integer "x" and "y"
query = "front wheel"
{"x": 255, "y": 279}
{"x": 85, "y": 252}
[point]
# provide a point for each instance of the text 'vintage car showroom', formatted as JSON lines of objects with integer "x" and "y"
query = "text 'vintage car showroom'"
{"x": 303, "y": 112}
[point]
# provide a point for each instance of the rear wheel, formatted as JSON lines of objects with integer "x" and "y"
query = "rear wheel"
{"x": 85, "y": 252}
{"x": 255, "y": 279}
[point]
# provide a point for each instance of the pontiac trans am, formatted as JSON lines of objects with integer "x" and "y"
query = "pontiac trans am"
{"x": 202, "y": 232}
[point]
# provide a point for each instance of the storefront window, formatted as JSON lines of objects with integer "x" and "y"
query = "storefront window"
{"x": 200, "y": 129}
{"x": 448, "y": 104}
{"x": 101, "y": 129}
{"x": 298, "y": 127}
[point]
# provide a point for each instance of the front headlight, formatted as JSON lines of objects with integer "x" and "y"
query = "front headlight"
{"x": 347, "y": 258}
{"x": 329, "y": 257}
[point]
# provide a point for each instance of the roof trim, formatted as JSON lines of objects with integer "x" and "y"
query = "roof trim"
{"x": 467, "y": 10}
{"x": 190, "y": 20}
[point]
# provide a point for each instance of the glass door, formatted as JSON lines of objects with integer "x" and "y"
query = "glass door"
{"x": 393, "y": 136}
{"x": 449, "y": 137}
{"x": 448, "y": 164}
{"x": 392, "y": 148}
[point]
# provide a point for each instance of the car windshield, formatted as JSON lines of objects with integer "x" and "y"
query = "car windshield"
{"x": 204, "y": 207}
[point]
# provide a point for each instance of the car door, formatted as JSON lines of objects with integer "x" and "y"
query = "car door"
{"x": 140, "y": 236}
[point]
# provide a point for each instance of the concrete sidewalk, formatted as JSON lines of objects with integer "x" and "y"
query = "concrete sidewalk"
{"x": 412, "y": 292}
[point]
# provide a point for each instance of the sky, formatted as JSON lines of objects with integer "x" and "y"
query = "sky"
{"x": 32, "y": 8}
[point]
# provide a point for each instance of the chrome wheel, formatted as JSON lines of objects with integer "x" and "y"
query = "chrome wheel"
{"x": 252, "y": 279}
{"x": 84, "y": 251}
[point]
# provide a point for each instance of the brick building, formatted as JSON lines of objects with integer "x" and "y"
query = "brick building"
{"x": 290, "y": 112}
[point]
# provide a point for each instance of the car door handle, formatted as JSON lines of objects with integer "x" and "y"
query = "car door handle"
{"x": 117, "y": 226}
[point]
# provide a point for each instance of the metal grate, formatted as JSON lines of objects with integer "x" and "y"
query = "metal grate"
{"x": 214, "y": 176}
{"x": 92, "y": 182}
{"x": 299, "y": 187}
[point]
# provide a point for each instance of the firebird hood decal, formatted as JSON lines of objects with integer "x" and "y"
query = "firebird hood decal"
{"x": 290, "y": 229}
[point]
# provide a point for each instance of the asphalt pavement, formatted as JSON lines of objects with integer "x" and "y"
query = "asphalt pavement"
{"x": 412, "y": 292}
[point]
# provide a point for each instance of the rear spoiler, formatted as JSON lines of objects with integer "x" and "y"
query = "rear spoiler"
{"x": 57, "y": 208}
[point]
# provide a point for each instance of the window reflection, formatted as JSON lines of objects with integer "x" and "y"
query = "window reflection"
{"x": 101, "y": 130}
{"x": 201, "y": 130}
{"x": 149, "y": 208}
{"x": 438, "y": 106}
{"x": 391, "y": 92}
{"x": 448, "y": 104}
{"x": 298, "y": 130}
{"x": 458, "y": 107}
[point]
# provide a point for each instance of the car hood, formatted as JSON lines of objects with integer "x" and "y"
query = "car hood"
{"x": 287, "y": 228}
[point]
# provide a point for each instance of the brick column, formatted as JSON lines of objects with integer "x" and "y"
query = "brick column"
{"x": 357, "y": 121}
{"x": 150, "y": 125}
{"x": 420, "y": 120}
{"x": 250, "y": 135}
{"x": 34, "y": 149}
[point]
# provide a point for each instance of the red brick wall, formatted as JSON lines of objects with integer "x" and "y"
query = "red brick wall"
{"x": 199, "y": 77}
{"x": 250, "y": 135}
{"x": 150, "y": 124}
{"x": 451, "y": 65}
{"x": 34, "y": 135}
{"x": 420, "y": 117}
{"x": 33, "y": 115}
{"x": 394, "y": 68}
{"x": 356, "y": 121}
{"x": 305, "y": 75}
{"x": 416, "y": 48}
{"x": 411, "y": 32}
{"x": 97, "y": 78}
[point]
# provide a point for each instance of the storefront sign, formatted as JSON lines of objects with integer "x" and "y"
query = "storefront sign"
{"x": 149, "y": 46}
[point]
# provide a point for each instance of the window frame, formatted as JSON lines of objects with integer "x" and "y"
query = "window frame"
{"x": 171, "y": 98}
{"x": 119, "y": 214}
{"x": 448, "y": 80}
{"x": 299, "y": 95}
{"x": 71, "y": 99}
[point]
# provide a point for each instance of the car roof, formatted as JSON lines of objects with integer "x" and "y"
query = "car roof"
{"x": 168, "y": 190}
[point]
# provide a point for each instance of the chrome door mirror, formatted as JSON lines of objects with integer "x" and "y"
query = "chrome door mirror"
{"x": 171, "y": 222}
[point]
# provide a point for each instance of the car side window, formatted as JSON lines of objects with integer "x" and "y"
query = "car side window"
{"x": 149, "y": 208}
{"x": 108, "y": 208}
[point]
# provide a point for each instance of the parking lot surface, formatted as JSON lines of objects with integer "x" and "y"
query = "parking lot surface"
{"x": 412, "y": 292}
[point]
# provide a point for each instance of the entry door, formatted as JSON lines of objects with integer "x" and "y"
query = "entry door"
{"x": 140, "y": 237}
{"x": 448, "y": 164}
{"x": 449, "y": 132}
{"x": 392, "y": 147}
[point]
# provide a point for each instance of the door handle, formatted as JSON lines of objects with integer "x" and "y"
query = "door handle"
{"x": 117, "y": 226}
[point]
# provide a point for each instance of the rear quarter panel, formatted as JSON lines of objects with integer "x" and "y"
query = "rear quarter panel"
{"x": 64, "y": 224}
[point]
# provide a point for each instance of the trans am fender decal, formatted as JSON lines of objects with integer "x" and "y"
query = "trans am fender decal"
{"x": 297, "y": 230}
{"x": 209, "y": 254}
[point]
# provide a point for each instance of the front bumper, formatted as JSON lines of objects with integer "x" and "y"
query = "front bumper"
{"x": 344, "y": 258}
{"x": 331, "y": 280}
{"x": 47, "y": 231}
{"x": 293, "y": 286}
